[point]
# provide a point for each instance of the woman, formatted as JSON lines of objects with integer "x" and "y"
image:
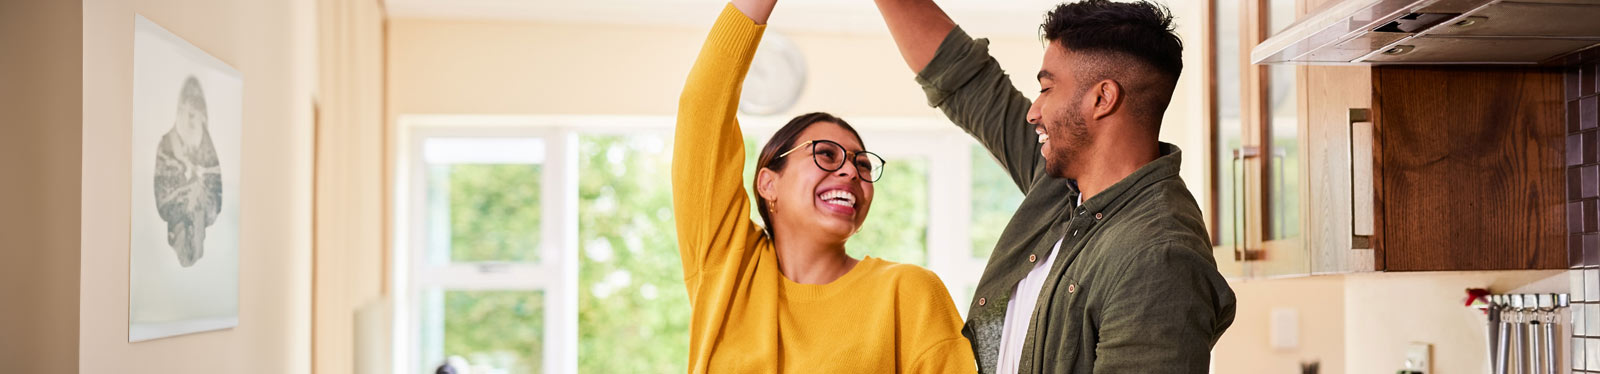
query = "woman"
{"x": 788, "y": 298}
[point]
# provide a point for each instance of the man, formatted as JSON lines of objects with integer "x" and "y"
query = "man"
{"x": 1106, "y": 266}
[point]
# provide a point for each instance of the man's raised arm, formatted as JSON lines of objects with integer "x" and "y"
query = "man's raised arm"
{"x": 918, "y": 26}
{"x": 966, "y": 83}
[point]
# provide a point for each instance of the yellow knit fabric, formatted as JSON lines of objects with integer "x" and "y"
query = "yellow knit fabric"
{"x": 881, "y": 317}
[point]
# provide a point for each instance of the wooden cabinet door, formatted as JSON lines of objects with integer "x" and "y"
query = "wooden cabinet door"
{"x": 1470, "y": 168}
{"x": 1337, "y": 205}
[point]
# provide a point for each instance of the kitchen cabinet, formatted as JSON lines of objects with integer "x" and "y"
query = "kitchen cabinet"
{"x": 1338, "y": 169}
{"x": 1469, "y": 168}
{"x": 1419, "y": 168}
{"x": 1256, "y": 145}
{"x": 1455, "y": 168}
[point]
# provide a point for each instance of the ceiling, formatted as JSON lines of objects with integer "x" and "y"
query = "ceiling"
{"x": 983, "y": 17}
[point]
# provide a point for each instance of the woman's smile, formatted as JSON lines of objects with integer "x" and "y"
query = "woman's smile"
{"x": 838, "y": 199}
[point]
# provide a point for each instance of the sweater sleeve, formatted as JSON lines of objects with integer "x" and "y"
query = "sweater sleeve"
{"x": 709, "y": 202}
{"x": 931, "y": 326}
{"x": 968, "y": 85}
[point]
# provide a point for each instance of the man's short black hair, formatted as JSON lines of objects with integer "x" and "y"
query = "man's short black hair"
{"x": 1139, "y": 30}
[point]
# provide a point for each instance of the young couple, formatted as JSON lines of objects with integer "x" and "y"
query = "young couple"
{"x": 1106, "y": 266}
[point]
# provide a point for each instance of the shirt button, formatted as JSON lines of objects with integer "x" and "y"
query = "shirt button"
{"x": 1097, "y": 216}
{"x": 1072, "y": 288}
{"x": 1033, "y": 258}
{"x": 981, "y": 301}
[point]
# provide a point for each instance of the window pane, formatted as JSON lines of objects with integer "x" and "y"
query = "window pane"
{"x": 495, "y": 331}
{"x": 633, "y": 311}
{"x": 995, "y": 198}
{"x": 1229, "y": 106}
{"x": 897, "y": 223}
{"x": 1283, "y": 152}
{"x": 1280, "y": 14}
{"x": 1282, "y": 176}
{"x": 488, "y": 212}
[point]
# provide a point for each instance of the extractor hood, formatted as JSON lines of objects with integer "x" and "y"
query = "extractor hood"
{"x": 1436, "y": 32}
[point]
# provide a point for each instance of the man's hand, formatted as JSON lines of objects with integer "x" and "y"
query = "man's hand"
{"x": 918, "y": 27}
{"x": 757, "y": 10}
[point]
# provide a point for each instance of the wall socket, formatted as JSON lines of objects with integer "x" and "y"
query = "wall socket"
{"x": 1419, "y": 358}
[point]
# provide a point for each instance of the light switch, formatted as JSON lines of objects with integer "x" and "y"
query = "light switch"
{"x": 1285, "y": 328}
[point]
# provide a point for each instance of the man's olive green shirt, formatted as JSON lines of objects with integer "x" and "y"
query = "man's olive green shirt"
{"x": 1134, "y": 288}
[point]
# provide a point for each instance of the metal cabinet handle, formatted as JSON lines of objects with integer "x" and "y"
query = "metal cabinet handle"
{"x": 1362, "y": 194}
{"x": 1240, "y": 250}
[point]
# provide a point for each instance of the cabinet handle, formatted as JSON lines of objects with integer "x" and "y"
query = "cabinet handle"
{"x": 1362, "y": 210}
{"x": 1241, "y": 252}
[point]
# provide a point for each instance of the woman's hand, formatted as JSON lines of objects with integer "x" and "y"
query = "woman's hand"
{"x": 757, "y": 10}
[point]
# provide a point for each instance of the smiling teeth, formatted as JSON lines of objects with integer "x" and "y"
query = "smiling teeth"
{"x": 840, "y": 198}
{"x": 1043, "y": 137}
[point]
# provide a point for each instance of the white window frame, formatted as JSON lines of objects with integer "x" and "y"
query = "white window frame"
{"x": 555, "y": 274}
{"x": 949, "y": 253}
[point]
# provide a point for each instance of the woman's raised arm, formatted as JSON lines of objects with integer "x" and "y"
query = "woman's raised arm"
{"x": 708, "y": 196}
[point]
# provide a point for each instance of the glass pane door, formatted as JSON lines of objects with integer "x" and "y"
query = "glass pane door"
{"x": 1283, "y": 248}
{"x": 1228, "y": 183}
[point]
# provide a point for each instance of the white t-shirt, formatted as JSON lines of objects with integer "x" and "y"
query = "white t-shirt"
{"x": 1019, "y": 312}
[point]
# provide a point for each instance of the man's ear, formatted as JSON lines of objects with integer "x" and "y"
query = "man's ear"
{"x": 766, "y": 184}
{"x": 1108, "y": 97}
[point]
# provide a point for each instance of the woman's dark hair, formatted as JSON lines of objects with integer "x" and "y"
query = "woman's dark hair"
{"x": 781, "y": 141}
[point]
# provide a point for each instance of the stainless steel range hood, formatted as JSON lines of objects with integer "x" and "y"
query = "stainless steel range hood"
{"x": 1436, "y": 32}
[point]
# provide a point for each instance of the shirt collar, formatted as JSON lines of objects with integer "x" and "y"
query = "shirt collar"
{"x": 1162, "y": 168}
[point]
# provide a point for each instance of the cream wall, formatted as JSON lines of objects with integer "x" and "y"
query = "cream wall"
{"x": 270, "y": 43}
{"x": 1386, "y": 311}
{"x": 512, "y": 67}
{"x": 1319, "y": 302}
{"x": 1362, "y": 323}
{"x": 350, "y": 212}
{"x": 40, "y": 89}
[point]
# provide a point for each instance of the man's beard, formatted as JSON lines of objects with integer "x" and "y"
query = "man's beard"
{"x": 1065, "y": 158}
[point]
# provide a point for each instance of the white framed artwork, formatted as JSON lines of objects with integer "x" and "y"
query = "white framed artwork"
{"x": 183, "y": 252}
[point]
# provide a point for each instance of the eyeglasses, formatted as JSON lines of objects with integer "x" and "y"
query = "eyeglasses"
{"x": 830, "y": 156}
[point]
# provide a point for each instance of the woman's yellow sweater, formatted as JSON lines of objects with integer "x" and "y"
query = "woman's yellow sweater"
{"x": 880, "y": 317}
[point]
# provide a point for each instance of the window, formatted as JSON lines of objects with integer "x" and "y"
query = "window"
{"x": 994, "y": 198}
{"x": 633, "y": 310}
{"x": 482, "y": 264}
{"x": 547, "y": 244}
